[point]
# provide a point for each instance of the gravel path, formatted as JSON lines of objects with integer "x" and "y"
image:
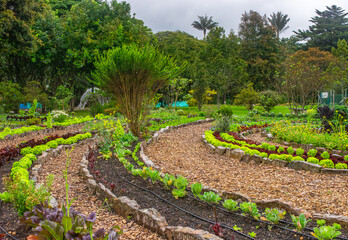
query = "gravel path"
{"x": 85, "y": 202}
{"x": 182, "y": 152}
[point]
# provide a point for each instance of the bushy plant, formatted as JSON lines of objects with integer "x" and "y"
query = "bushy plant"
{"x": 210, "y": 197}
{"x": 297, "y": 158}
{"x": 290, "y": 150}
{"x": 223, "y": 124}
{"x": 327, "y": 163}
{"x": 49, "y": 120}
{"x": 312, "y": 152}
{"x": 280, "y": 149}
{"x": 250, "y": 208}
{"x": 325, "y": 155}
{"x": 280, "y": 115}
{"x": 313, "y": 160}
{"x": 272, "y": 147}
{"x": 341, "y": 166}
{"x": 299, "y": 152}
{"x": 33, "y": 107}
{"x": 346, "y": 158}
{"x": 247, "y": 97}
{"x": 269, "y": 99}
{"x": 225, "y": 110}
{"x": 274, "y": 215}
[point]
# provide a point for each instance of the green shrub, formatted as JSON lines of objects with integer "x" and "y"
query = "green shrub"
{"x": 225, "y": 110}
{"x": 346, "y": 158}
{"x": 299, "y": 152}
{"x": 325, "y": 155}
{"x": 272, "y": 114}
{"x": 223, "y": 124}
{"x": 290, "y": 150}
{"x": 61, "y": 118}
{"x": 272, "y": 147}
{"x": 280, "y": 115}
{"x": 327, "y": 163}
{"x": 192, "y": 102}
{"x": 280, "y": 149}
{"x": 26, "y": 150}
{"x": 33, "y": 121}
{"x": 341, "y": 166}
{"x": 313, "y": 160}
{"x": 180, "y": 112}
{"x": 297, "y": 158}
{"x": 201, "y": 114}
{"x": 312, "y": 153}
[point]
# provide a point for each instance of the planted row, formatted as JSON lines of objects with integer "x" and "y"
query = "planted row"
{"x": 273, "y": 152}
{"x": 8, "y": 131}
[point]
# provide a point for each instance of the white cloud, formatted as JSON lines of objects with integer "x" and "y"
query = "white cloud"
{"x": 172, "y": 15}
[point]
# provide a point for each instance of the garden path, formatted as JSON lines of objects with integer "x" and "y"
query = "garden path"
{"x": 85, "y": 202}
{"x": 182, "y": 152}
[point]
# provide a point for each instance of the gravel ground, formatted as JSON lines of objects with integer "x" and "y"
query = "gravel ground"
{"x": 182, "y": 152}
{"x": 85, "y": 202}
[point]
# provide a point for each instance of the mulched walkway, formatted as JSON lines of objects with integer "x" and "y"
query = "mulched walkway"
{"x": 182, "y": 152}
{"x": 85, "y": 202}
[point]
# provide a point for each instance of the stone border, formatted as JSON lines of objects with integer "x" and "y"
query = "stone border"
{"x": 149, "y": 218}
{"x": 239, "y": 154}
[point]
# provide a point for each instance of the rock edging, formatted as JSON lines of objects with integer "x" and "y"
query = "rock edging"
{"x": 239, "y": 154}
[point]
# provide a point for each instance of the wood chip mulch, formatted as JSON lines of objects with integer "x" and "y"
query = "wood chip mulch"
{"x": 85, "y": 202}
{"x": 182, "y": 152}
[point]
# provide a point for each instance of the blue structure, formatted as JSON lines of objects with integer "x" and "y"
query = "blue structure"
{"x": 178, "y": 104}
{"x": 27, "y": 106}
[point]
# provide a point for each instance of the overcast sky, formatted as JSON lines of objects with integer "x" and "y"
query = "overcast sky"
{"x": 172, "y": 15}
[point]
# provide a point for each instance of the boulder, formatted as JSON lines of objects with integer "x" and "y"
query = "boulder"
{"x": 302, "y": 165}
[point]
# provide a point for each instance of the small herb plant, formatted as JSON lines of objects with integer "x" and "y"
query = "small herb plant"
{"x": 230, "y": 205}
{"x": 196, "y": 189}
{"x": 181, "y": 182}
{"x": 154, "y": 175}
{"x": 252, "y": 234}
{"x": 299, "y": 222}
{"x": 299, "y": 152}
{"x": 290, "y": 150}
{"x": 178, "y": 193}
{"x": 325, "y": 155}
{"x": 312, "y": 153}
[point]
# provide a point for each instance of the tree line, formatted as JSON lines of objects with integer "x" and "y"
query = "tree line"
{"x": 48, "y": 50}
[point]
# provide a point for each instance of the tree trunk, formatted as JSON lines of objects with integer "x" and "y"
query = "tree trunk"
{"x": 218, "y": 98}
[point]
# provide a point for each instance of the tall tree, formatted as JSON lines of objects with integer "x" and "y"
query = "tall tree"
{"x": 204, "y": 24}
{"x": 259, "y": 48}
{"x": 279, "y": 21}
{"x": 328, "y": 27}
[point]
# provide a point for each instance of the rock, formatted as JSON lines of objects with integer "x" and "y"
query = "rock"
{"x": 266, "y": 161}
{"x": 203, "y": 137}
{"x": 335, "y": 171}
{"x": 110, "y": 196}
{"x": 220, "y": 150}
{"x": 269, "y": 136}
{"x": 52, "y": 202}
{"x": 235, "y": 196}
{"x": 245, "y": 158}
{"x": 100, "y": 191}
{"x": 256, "y": 158}
{"x": 152, "y": 219}
{"x": 211, "y": 147}
{"x": 321, "y": 150}
{"x": 237, "y": 154}
{"x": 187, "y": 233}
{"x": 343, "y": 220}
{"x": 126, "y": 207}
{"x": 286, "y": 143}
{"x": 92, "y": 186}
{"x": 279, "y": 163}
{"x": 302, "y": 165}
{"x": 276, "y": 203}
{"x": 155, "y": 137}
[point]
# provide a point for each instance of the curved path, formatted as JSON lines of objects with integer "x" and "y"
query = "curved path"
{"x": 182, "y": 152}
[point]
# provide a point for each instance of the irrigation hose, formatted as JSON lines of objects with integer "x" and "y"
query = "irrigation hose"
{"x": 257, "y": 220}
{"x": 8, "y": 234}
{"x": 183, "y": 210}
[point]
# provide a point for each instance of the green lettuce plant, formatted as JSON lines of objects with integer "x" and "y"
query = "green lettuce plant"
{"x": 327, "y": 232}
{"x": 341, "y": 166}
{"x": 290, "y": 150}
{"x": 274, "y": 215}
{"x": 168, "y": 180}
{"x": 299, "y": 222}
{"x": 230, "y": 205}
{"x": 196, "y": 189}
{"x": 250, "y": 208}
{"x": 313, "y": 160}
{"x": 327, "y": 163}
{"x": 299, "y": 152}
{"x": 325, "y": 155}
{"x": 312, "y": 152}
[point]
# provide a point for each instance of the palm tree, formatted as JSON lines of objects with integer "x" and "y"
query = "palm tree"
{"x": 279, "y": 21}
{"x": 204, "y": 24}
